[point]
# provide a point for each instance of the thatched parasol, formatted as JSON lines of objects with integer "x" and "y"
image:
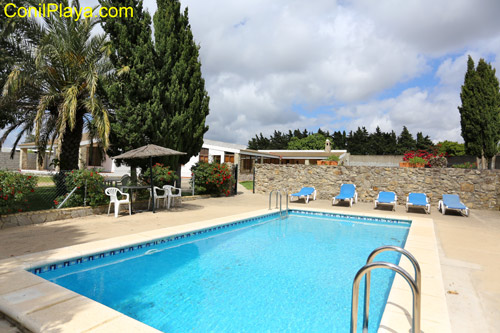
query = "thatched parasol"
{"x": 145, "y": 152}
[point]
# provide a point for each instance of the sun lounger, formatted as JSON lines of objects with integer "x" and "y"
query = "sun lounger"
{"x": 418, "y": 200}
{"x": 452, "y": 202}
{"x": 347, "y": 193}
{"x": 306, "y": 193}
{"x": 386, "y": 198}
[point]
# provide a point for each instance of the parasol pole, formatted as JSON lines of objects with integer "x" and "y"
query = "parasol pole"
{"x": 152, "y": 185}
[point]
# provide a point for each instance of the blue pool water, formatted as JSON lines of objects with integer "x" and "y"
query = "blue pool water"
{"x": 267, "y": 275}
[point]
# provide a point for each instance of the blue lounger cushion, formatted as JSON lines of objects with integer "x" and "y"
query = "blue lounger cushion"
{"x": 347, "y": 191}
{"x": 386, "y": 197}
{"x": 452, "y": 201}
{"x": 417, "y": 199}
{"x": 304, "y": 191}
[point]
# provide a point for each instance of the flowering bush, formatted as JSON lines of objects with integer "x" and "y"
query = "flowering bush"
{"x": 81, "y": 179}
{"x": 424, "y": 156}
{"x": 162, "y": 175}
{"x": 212, "y": 178}
{"x": 438, "y": 162}
{"x": 13, "y": 188}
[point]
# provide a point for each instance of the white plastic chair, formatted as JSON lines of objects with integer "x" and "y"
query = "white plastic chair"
{"x": 113, "y": 192}
{"x": 158, "y": 197}
{"x": 169, "y": 189}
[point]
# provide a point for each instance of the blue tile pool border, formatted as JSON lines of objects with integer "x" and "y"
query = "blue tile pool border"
{"x": 202, "y": 232}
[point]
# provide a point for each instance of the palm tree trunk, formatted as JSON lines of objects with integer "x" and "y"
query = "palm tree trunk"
{"x": 70, "y": 145}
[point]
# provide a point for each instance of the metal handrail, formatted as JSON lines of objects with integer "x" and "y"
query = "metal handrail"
{"x": 278, "y": 192}
{"x": 416, "y": 267}
{"x": 286, "y": 195}
{"x": 415, "y": 285}
{"x": 270, "y": 198}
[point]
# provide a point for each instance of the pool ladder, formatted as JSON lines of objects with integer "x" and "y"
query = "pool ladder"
{"x": 415, "y": 285}
{"x": 279, "y": 193}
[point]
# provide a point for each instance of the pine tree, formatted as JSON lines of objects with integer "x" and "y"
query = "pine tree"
{"x": 259, "y": 142}
{"x": 480, "y": 111}
{"x": 182, "y": 95}
{"x": 424, "y": 142}
{"x": 406, "y": 141}
{"x": 339, "y": 140}
{"x": 358, "y": 141}
{"x": 377, "y": 143}
{"x": 391, "y": 143}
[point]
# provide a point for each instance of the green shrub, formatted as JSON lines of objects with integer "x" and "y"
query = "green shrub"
{"x": 162, "y": 175}
{"x": 417, "y": 160}
{"x": 333, "y": 158}
{"x": 212, "y": 178}
{"x": 92, "y": 180}
{"x": 14, "y": 187}
{"x": 466, "y": 165}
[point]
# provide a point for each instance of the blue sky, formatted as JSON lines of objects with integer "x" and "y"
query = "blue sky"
{"x": 337, "y": 65}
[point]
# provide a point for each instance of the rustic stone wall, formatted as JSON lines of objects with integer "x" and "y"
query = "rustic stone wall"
{"x": 477, "y": 188}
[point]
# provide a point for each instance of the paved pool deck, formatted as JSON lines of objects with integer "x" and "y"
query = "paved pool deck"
{"x": 468, "y": 248}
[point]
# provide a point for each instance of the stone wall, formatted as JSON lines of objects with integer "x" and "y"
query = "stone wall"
{"x": 6, "y": 163}
{"x": 477, "y": 189}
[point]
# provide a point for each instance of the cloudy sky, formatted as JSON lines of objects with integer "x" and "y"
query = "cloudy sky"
{"x": 337, "y": 65}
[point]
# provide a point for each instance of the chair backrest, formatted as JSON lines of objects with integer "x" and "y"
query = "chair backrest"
{"x": 168, "y": 189}
{"x": 348, "y": 189}
{"x": 112, "y": 193}
{"x": 449, "y": 199}
{"x": 307, "y": 190}
{"x": 417, "y": 197}
{"x": 156, "y": 188}
{"x": 125, "y": 180}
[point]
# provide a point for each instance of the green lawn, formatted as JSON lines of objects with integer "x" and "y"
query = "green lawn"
{"x": 45, "y": 180}
{"x": 42, "y": 198}
{"x": 247, "y": 184}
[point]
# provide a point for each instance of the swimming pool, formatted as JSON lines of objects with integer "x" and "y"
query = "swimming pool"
{"x": 259, "y": 274}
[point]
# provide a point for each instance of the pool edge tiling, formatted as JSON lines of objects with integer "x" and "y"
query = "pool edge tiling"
{"x": 40, "y": 305}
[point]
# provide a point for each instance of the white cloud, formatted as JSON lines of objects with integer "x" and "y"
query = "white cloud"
{"x": 435, "y": 26}
{"x": 261, "y": 59}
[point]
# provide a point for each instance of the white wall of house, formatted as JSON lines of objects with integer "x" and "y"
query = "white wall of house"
{"x": 186, "y": 168}
{"x": 213, "y": 150}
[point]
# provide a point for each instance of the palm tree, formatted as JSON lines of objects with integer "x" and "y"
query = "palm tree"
{"x": 64, "y": 69}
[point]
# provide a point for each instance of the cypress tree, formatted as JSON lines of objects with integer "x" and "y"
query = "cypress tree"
{"x": 182, "y": 95}
{"x": 132, "y": 96}
{"x": 480, "y": 111}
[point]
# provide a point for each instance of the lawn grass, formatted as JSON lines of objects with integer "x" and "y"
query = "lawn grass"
{"x": 247, "y": 184}
{"x": 42, "y": 198}
{"x": 45, "y": 180}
